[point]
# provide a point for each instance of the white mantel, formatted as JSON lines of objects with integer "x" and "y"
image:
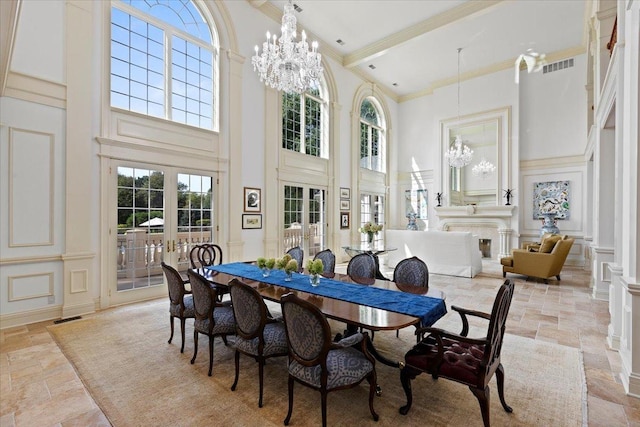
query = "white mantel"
{"x": 488, "y": 216}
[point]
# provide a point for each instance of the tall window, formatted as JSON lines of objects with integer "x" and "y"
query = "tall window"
{"x": 303, "y": 121}
{"x": 372, "y": 210}
{"x": 163, "y": 61}
{"x": 371, "y": 138}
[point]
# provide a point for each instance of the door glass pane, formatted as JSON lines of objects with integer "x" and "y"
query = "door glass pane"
{"x": 140, "y": 235}
{"x": 316, "y": 221}
{"x": 293, "y": 211}
{"x": 195, "y": 216}
{"x": 372, "y": 209}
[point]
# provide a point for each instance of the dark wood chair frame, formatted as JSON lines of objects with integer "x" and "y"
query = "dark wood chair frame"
{"x": 265, "y": 318}
{"x": 490, "y": 362}
{"x": 204, "y": 255}
{"x": 173, "y": 275}
{"x": 396, "y": 279}
{"x": 321, "y": 360}
{"x": 196, "y": 279}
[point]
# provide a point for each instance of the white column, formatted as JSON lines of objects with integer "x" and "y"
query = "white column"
{"x": 505, "y": 242}
{"x": 79, "y": 256}
{"x": 615, "y": 302}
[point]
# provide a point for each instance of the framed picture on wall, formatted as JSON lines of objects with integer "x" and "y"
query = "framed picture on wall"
{"x": 345, "y": 193}
{"x": 344, "y": 220}
{"x": 345, "y": 205}
{"x": 252, "y": 199}
{"x": 251, "y": 221}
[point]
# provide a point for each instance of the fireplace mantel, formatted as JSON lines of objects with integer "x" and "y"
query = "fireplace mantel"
{"x": 472, "y": 215}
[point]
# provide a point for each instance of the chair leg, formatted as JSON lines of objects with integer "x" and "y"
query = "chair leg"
{"x": 182, "y": 325}
{"x": 171, "y": 323}
{"x": 371, "y": 378}
{"x": 500, "y": 380}
{"x": 211, "y": 338}
{"x": 558, "y": 277}
{"x": 286, "y": 420}
{"x": 235, "y": 381}
{"x": 483, "y": 400}
{"x": 323, "y": 398}
{"x": 405, "y": 379}
{"x": 195, "y": 346}
{"x": 261, "y": 380}
{"x": 504, "y": 274}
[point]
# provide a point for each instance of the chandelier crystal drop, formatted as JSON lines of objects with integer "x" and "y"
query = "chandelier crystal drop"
{"x": 286, "y": 64}
{"x": 484, "y": 169}
{"x": 459, "y": 155}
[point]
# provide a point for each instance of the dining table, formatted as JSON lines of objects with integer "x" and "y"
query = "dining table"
{"x": 371, "y": 304}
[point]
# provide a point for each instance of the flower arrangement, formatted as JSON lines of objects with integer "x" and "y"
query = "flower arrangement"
{"x": 370, "y": 227}
{"x": 271, "y": 262}
{"x": 291, "y": 266}
{"x": 281, "y": 263}
{"x": 266, "y": 265}
{"x": 315, "y": 266}
{"x": 261, "y": 262}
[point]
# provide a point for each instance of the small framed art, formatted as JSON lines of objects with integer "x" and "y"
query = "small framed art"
{"x": 345, "y": 205}
{"x": 344, "y": 220}
{"x": 345, "y": 193}
{"x": 251, "y": 221}
{"x": 252, "y": 199}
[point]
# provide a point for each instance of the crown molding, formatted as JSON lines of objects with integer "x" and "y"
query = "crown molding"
{"x": 552, "y": 163}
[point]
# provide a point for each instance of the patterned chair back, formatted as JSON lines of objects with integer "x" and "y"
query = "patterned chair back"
{"x": 412, "y": 271}
{"x": 298, "y": 254}
{"x": 362, "y": 265}
{"x": 204, "y": 297}
{"x": 249, "y": 309}
{"x": 308, "y": 332}
{"x": 175, "y": 284}
{"x": 328, "y": 260}
{"x": 205, "y": 255}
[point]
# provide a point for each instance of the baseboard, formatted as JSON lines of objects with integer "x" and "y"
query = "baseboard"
{"x": 30, "y": 316}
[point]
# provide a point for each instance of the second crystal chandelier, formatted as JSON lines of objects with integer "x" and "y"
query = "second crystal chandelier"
{"x": 286, "y": 64}
{"x": 459, "y": 155}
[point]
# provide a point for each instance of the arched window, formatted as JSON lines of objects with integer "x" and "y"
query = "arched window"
{"x": 163, "y": 61}
{"x": 304, "y": 118}
{"x": 372, "y": 146}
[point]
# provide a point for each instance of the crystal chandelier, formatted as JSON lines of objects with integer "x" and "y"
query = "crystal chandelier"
{"x": 286, "y": 64}
{"x": 459, "y": 155}
{"x": 484, "y": 169}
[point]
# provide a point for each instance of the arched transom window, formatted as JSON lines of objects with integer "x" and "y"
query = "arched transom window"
{"x": 304, "y": 119}
{"x": 372, "y": 146}
{"x": 163, "y": 61}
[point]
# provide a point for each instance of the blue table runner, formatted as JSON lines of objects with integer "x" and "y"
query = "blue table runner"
{"x": 428, "y": 309}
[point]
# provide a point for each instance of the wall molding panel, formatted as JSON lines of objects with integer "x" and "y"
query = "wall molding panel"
{"x": 31, "y": 172}
{"x": 30, "y": 286}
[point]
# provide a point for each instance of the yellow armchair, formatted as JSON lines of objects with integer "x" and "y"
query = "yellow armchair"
{"x": 538, "y": 264}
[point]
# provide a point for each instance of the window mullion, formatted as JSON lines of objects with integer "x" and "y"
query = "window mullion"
{"x": 303, "y": 120}
{"x": 168, "y": 73}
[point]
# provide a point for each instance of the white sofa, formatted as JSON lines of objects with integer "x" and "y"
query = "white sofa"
{"x": 453, "y": 253}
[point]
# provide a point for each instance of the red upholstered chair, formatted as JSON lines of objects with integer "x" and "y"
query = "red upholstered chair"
{"x": 470, "y": 361}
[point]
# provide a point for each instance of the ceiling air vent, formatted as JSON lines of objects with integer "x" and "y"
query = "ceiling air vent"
{"x": 373, "y": 67}
{"x": 556, "y": 66}
{"x": 297, "y": 8}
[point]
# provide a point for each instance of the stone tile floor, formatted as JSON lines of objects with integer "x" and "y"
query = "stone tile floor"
{"x": 39, "y": 387}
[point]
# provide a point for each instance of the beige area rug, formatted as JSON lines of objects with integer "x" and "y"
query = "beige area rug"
{"x": 137, "y": 379}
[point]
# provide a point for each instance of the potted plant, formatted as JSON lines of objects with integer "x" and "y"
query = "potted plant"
{"x": 370, "y": 229}
{"x": 289, "y": 268}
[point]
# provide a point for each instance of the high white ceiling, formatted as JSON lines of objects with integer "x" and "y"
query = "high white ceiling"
{"x": 413, "y": 43}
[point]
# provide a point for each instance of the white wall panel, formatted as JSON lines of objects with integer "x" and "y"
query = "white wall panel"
{"x": 31, "y": 192}
{"x": 30, "y": 286}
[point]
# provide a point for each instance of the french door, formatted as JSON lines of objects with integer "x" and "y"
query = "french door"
{"x": 160, "y": 213}
{"x": 305, "y": 219}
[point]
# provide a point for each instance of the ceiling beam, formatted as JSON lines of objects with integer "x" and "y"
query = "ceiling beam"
{"x": 442, "y": 19}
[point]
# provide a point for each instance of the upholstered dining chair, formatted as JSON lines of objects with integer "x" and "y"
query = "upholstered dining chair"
{"x": 317, "y": 362}
{"x": 469, "y": 361}
{"x": 298, "y": 254}
{"x": 362, "y": 265}
{"x": 204, "y": 255}
{"x": 328, "y": 260}
{"x": 257, "y": 335}
{"x": 180, "y": 300}
{"x": 411, "y": 272}
{"x": 212, "y": 318}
